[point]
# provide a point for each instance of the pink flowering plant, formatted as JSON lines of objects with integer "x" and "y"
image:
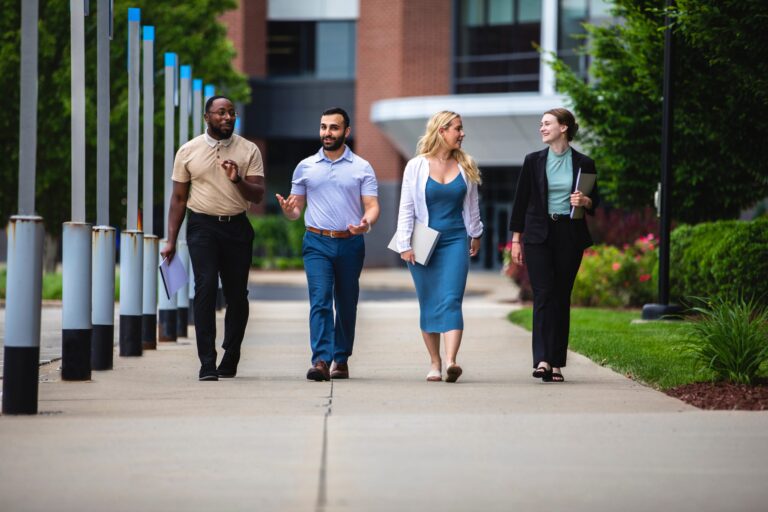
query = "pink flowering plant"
{"x": 618, "y": 276}
{"x": 609, "y": 276}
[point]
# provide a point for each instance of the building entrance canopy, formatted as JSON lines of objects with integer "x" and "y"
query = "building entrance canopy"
{"x": 500, "y": 128}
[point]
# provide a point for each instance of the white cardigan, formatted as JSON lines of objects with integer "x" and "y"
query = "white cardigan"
{"x": 413, "y": 203}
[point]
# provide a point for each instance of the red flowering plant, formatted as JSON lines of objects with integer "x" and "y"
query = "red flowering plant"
{"x": 609, "y": 276}
{"x": 618, "y": 276}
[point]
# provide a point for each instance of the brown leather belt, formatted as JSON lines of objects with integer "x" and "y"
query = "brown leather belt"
{"x": 329, "y": 233}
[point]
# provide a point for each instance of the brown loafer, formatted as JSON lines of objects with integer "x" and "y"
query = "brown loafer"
{"x": 319, "y": 372}
{"x": 339, "y": 370}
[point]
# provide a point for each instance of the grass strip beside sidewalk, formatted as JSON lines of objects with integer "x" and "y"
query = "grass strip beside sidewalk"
{"x": 647, "y": 351}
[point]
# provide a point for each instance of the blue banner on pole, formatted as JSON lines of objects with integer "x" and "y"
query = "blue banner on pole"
{"x": 134, "y": 14}
{"x": 186, "y": 71}
{"x": 210, "y": 90}
{"x": 149, "y": 33}
{"x": 170, "y": 59}
{"x": 197, "y": 84}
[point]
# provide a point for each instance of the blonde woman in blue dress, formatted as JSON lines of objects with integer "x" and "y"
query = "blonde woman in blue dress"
{"x": 440, "y": 190}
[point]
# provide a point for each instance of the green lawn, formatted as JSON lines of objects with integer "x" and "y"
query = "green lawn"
{"x": 52, "y": 286}
{"x": 649, "y": 352}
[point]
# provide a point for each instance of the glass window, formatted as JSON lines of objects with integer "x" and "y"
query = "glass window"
{"x": 473, "y": 12}
{"x": 600, "y": 9}
{"x": 530, "y": 11}
{"x": 495, "y": 46}
{"x": 335, "y": 54}
{"x": 291, "y": 48}
{"x": 573, "y": 14}
{"x": 501, "y": 12}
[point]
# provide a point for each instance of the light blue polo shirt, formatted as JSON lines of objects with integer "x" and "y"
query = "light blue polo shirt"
{"x": 333, "y": 189}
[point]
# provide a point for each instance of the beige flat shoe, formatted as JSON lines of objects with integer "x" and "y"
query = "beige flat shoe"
{"x": 434, "y": 376}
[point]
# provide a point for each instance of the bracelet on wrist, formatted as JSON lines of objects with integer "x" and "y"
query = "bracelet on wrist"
{"x": 515, "y": 241}
{"x": 237, "y": 180}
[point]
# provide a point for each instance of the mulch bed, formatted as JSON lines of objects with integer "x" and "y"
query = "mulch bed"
{"x": 724, "y": 395}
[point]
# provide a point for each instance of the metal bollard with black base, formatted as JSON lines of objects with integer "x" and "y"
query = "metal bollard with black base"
{"x": 76, "y": 302}
{"x": 182, "y": 296}
{"x": 103, "y": 298}
{"x": 166, "y": 315}
{"x": 21, "y": 352}
{"x": 149, "y": 294}
{"x": 131, "y": 263}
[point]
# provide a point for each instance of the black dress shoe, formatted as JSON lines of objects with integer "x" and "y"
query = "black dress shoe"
{"x": 208, "y": 373}
{"x": 228, "y": 366}
{"x": 319, "y": 372}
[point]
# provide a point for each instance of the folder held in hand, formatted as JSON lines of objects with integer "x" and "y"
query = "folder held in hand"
{"x": 173, "y": 274}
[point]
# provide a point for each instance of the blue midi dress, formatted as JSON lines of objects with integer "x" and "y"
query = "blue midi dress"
{"x": 440, "y": 285}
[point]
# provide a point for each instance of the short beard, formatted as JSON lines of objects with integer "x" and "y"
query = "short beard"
{"x": 336, "y": 144}
{"x": 213, "y": 130}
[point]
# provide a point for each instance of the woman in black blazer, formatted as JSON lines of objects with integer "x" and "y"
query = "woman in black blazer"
{"x": 552, "y": 242}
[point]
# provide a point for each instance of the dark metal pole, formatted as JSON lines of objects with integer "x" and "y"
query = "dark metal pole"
{"x": 657, "y": 311}
{"x": 103, "y": 235}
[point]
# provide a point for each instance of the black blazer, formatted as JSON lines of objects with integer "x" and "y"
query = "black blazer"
{"x": 529, "y": 211}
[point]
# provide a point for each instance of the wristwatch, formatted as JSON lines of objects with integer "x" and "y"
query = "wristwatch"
{"x": 237, "y": 180}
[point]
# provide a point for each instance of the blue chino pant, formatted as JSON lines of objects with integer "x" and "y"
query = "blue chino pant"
{"x": 333, "y": 267}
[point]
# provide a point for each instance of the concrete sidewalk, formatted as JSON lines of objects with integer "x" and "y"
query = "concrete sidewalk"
{"x": 148, "y": 436}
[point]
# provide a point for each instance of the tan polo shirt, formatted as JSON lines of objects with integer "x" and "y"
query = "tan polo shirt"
{"x": 198, "y": 162}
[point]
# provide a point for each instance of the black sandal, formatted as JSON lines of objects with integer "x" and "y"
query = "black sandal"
{"x": 556, "y": 377}
{"x": 542, "y": 373}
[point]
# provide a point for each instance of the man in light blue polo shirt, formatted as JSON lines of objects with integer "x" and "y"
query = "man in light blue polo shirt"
{"x": 341, "y": 194}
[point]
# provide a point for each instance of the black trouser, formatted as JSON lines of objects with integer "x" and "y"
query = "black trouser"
{"x": 552, "y": 268}
{"x": 219, "y": 247}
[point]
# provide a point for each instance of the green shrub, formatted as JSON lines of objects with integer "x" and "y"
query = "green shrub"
{"x": 613, "y": 277}
{"x": 720, "y": 258}
{"x": 2, "y": 282}
{"x": 52, "y": 286}
{"x": 277, "y": 242}
{"x": 731, "y": 338}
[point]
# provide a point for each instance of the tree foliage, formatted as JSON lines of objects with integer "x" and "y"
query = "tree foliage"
{"x": 720, "y": 104}
{"x": 189, "y": 29}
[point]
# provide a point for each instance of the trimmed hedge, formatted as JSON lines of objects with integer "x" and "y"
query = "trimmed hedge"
{"x": 720, "y": 259}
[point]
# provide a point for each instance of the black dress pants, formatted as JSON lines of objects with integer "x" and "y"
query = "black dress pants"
{"x": 219, "y": 247}
{"x": 552, "y": 268}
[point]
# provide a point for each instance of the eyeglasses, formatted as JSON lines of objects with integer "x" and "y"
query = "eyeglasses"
{"x": 222, "y": 113}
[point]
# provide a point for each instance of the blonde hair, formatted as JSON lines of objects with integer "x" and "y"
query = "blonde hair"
{"x": 431, "y": 142}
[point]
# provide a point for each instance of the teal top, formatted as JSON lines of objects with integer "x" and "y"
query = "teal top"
{"x": 560, "y": 179}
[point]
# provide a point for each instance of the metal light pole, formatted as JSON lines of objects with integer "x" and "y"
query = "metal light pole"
{"x": 182, "y": 296}
{"x": 132, "y": 240}
{"x": 166, "y": 306}
{"x": 103, "y": 235}
{"x": 151, "y": 242}
{"x": 21, "y": 353}
{"x": 663, "y": 307}
{"x": 76, "y": 238}
{"x": 197, "y": 129}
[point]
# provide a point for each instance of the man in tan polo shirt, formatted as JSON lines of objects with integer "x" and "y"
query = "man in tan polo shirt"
{"x": 215, "y": 176}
